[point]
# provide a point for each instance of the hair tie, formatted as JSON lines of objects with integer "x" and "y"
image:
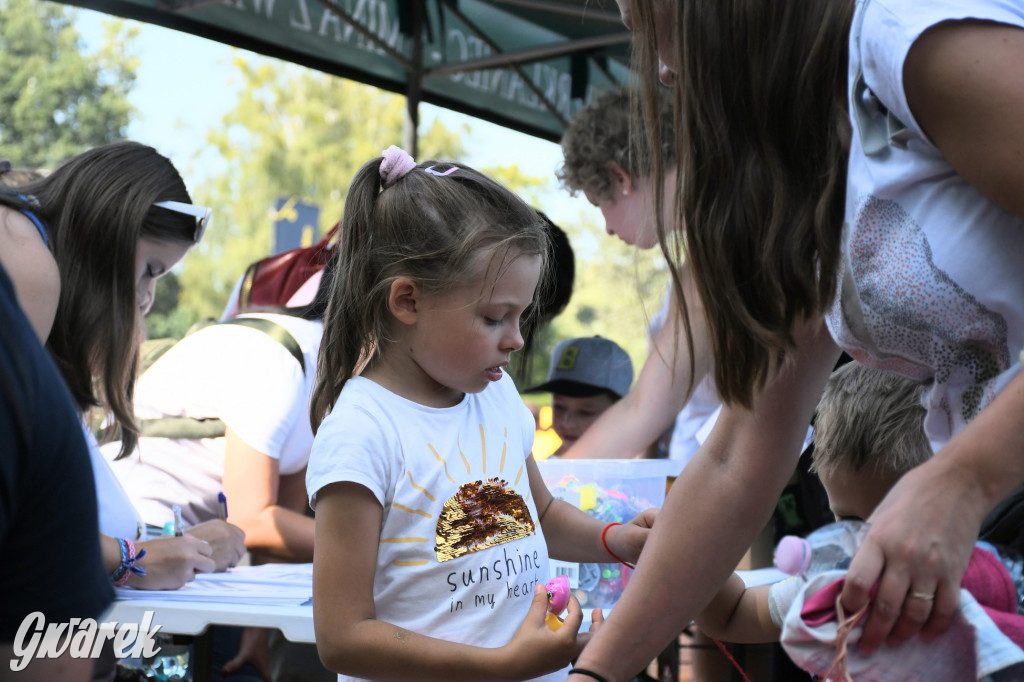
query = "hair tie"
{"x": 396, "y": 164}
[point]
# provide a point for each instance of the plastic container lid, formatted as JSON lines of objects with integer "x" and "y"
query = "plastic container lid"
{"x": 793, "y": 555}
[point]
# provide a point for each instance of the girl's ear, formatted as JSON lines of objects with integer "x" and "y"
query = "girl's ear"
{"x": 622, "y": 182}
{"x": 403, "y": 300}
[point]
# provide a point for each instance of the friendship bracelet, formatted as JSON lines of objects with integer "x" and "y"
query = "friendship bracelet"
{"x": 588, "y": 673}
{"x": 608, "y": 549}
{"x": 128, "y": 558}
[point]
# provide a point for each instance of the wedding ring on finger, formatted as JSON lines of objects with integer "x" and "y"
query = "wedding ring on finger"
{"x": 923, "y": 596}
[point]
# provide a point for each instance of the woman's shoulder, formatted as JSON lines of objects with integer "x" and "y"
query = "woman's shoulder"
{"x": 31, "y": 267}
{"x": 884, "y": 31}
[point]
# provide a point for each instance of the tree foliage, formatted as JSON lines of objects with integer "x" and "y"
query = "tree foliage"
{"x": 56, "y": 100}
{"x": 617, "y": 291}
{"x": 299, "y": 133}
{"x": 292, "y": 133}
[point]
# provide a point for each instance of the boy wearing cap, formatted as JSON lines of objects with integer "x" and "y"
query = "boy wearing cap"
{"x": 587, "y": 375}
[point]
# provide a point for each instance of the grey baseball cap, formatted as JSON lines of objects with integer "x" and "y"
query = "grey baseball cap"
{"x": 587, "y": 365}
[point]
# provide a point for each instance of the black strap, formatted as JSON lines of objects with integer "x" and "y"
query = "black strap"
{"x": 191, "y": 428}
{"x": 274, "y": 331}
{"x": 588, "y": 673}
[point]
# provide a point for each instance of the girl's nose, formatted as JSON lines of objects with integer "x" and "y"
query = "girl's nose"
{"x": 515, "y": 341}
{"x": 145, "y": 296}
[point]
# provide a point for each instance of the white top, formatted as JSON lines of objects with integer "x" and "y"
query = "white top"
{"x": 118, "y": 517}
{"x": 932, "y": 278}
{"x": 446, "y": 569}
{"x": 238, "y": 374}
{"x": 702, "y": 409}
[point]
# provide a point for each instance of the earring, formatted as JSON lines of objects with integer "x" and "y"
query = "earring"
{"x": 625, "y": 192}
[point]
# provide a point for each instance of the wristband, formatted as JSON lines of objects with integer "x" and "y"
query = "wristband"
{"x": 588, "y": 673}
{"x": 128, "y": 558}
{"x": 604, "y": 542}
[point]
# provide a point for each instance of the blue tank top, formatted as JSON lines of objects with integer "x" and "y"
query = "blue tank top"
{"x": 35, "y": 220}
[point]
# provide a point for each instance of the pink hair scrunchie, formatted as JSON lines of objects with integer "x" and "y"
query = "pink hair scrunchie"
{"x": 396, "y": 164}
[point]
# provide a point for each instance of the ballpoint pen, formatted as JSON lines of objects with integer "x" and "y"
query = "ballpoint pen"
{"x": 178, "y": 530}
{"x": 222, "y": 504}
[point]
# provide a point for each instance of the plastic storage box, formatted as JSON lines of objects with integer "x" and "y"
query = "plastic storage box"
{"x": 612, "y": 490}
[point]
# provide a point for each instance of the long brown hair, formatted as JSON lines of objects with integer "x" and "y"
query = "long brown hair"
{"x": 425, "y": 226}
{"x": 761, "y": 135}
{"x": 96, "y": 207}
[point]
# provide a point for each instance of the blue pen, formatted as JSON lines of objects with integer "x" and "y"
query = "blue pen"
{"x": 222, "y": 502}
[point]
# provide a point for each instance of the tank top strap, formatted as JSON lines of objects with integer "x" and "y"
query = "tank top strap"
{"x": 37, "y": 222}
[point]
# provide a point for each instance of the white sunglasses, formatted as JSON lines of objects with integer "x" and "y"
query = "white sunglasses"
{"x": 200, "y": 213}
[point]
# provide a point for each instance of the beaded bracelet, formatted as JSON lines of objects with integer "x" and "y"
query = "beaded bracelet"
{"x": 128, "y": 558}
{"x": 608, "y": 549}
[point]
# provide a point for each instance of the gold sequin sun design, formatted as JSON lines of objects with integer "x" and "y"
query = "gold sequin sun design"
{"x": 481, "y": 514}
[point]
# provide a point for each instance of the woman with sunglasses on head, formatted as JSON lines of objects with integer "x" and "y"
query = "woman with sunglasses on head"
{"x": 112, "y": 220}
{"x": 849, "y": 171}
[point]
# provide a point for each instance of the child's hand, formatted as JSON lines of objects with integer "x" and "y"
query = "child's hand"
{"x": 628, "y": 540}
{"x": 535, "y": 648}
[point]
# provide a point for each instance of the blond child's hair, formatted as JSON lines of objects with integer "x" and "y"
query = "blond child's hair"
{"x": 867, "y": 417}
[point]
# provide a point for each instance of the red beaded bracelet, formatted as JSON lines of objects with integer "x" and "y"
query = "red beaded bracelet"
{"x": 604, "y": 542}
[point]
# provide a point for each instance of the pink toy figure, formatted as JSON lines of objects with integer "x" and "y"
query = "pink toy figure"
{"x": 558, "y": 600}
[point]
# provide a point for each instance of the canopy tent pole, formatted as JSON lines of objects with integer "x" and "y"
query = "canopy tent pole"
{"x": 414, "y": 82}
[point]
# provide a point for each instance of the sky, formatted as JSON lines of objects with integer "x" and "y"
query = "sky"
{"x": 185, "y": 85}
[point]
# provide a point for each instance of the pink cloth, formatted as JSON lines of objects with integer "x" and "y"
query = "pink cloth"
{"x": 990, "y": 583}
{"x": 984, "y": 641}
{"x": 986, "y": 579}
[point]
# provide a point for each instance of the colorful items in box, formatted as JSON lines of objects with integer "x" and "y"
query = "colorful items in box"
{"x": 600, "y": 585}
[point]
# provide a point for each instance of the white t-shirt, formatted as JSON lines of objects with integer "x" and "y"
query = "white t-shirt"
{"x": 118, "y": 517}
{"x": 932, "y": 279}
{"x": 701, "y": 410}
{"x": 445, "y": 568}
{"x": 237, "y": 374}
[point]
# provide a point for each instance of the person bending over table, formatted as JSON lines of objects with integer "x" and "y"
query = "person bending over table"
{"x": 911, "y": 139}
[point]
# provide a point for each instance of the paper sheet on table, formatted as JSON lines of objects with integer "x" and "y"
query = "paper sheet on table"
{"x": 270, "y": 584}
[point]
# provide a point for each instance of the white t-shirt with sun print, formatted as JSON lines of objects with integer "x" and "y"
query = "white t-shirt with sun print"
{"x": 460, "y": 546}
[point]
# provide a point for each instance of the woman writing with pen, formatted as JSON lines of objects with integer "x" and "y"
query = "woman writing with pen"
{"x": 85, "y": 245}
{"x": 89, "y": 241}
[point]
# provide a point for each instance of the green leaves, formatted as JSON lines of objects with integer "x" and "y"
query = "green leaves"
{"x": 56, "y": 100}
{"x": 293, "y": 132}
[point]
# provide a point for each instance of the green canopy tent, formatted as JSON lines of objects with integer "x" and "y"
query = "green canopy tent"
{"x": 528, "y": 65}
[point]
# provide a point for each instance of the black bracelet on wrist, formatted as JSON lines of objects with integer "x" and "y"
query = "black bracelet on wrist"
{"x": 588, "y": 673}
